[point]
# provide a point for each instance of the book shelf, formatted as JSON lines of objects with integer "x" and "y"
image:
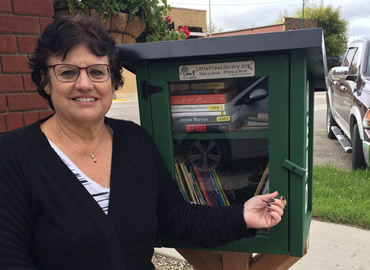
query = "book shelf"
{"x": 233, "y": 115}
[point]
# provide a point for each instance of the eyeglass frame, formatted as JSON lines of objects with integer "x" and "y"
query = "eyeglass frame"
{"x": 79, "y": 71}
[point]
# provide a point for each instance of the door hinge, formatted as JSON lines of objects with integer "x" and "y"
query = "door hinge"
{"x": 294, "y": 167}
{"x": 147, "y": 89}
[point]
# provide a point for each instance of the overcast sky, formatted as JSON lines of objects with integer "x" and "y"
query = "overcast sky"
{"x": 240, "y": 14}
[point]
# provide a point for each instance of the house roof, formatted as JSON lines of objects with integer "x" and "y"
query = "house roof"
{"x": 311, "y": 40}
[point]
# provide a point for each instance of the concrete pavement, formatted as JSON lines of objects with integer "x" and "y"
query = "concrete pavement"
{"x": 332, "y": 246}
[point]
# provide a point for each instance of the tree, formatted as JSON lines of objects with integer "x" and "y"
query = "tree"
{"x": 214, "y": 29}
{"x": 334, "y": 28}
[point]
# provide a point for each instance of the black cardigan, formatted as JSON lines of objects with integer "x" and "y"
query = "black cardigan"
{"x": 48, "y": 220}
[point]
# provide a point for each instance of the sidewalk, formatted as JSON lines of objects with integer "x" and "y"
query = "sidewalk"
{"x": 332, "y": 246}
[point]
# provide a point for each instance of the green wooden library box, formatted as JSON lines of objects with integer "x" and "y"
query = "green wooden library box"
{"x": 233, "y": 117}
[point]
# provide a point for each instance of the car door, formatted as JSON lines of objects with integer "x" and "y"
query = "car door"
{"x": 343, "y": 98}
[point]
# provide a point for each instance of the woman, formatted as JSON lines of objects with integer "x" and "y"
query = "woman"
{"x": 81, "y": 191}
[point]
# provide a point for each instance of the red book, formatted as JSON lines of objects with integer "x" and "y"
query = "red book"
{"x": 218, "y": 98}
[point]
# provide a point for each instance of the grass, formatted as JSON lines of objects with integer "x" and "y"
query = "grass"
{"x": 341, "y": 196}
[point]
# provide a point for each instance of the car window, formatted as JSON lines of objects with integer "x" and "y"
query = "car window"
{"x": 355, "y": 63}
{"x": 349, "y": 56}
{"x": 367, "y": 63}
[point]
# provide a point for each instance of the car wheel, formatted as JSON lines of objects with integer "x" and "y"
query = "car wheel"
{"x": 330, "y": 122}
{"x": 209, "y": 154}
{"x": 358, "y": 159}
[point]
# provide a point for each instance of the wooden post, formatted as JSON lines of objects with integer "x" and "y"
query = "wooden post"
{"x": 222, "y": 260}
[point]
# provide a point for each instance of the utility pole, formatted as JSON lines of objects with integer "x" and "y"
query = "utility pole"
{"x": 303, "y": 2}
{"x": 210, "y": 20}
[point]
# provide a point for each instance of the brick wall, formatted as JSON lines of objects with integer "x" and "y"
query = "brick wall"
{"x": 189, "y": 17}
{"x": 21, "y": 22}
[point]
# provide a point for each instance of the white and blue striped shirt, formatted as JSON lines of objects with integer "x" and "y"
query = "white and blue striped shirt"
{"x": 99, "y": 193}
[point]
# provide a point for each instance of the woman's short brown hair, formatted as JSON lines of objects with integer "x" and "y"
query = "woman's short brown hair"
{"x": 65, "y": 33}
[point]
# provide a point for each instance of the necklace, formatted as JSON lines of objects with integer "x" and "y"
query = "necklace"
{"x": 65, "y": 136}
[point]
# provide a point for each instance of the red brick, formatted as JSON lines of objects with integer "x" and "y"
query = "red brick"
{"x": 18, "y": 24}
{"x": 11, "y": 83}
{"x": 29, "y": 86}
{"x": 8, "y": 44}
{"x": 34, "y": 7}
{"x": 2, "y": 123}
{"x": 2, "y": 104}
{"x": 30, "y": 117}
{"x": 44, "y": 114}
{"x": 44, "y": 22}
{"x": 15, "y": 63}
{"x": 5, "y": 6}
{"x": 13, "y": 121}
{"x": 25, "y": 102}
{"x": 27, "y": 44}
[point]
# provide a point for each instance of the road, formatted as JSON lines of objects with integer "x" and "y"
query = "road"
{"x": 326, "y": 151}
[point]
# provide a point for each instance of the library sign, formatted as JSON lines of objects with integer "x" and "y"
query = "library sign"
{"x": 217, "y": 70}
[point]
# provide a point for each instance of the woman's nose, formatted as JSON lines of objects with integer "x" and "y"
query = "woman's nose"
{"x": 83, "y": 81}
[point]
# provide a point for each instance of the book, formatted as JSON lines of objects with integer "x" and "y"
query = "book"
{"x": 213, "y": 85}
{"x": 202, "y": 185}
{"x": 202, "y": 119}
{"x": 201, "y": 128}
{"x": 204, "y": 98}
{"x": 220, "y": 188}
{"x": 210, "y": 189}
{"x": 198, "y": 108}
{"x": 262, "y": 181}
{"x": 186, "y": 114}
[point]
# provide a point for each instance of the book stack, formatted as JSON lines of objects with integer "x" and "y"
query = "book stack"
{"x": 201, "y": 187}
{"x": 202, "y": 107}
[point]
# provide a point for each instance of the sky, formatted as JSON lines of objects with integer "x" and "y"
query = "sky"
{"x": 241, "y": 14}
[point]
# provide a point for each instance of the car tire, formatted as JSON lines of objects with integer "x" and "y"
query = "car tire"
{"x": 358, "y": 159}
{"x": 330, "y": 122}
{"x": 209, "y": 154}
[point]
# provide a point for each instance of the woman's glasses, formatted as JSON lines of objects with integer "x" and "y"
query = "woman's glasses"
{"x": 70, "y": 73}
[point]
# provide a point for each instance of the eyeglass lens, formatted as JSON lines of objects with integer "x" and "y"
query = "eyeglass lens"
{"x": 70, "y": 73}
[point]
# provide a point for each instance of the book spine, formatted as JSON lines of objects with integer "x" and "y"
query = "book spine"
{"x": 202, "y": 185}
{"x": 180, "y": 181}
{"x": 198, "y": 99}
{"x": 198, "y": 108}
{"x": 220, "y": 188}
{"x": 209, "y": 188}
{"x": 196, "y": 185}
{"x": 202, "y": 119}
{"x": 216, "y": 189}
{"x": 187, "y": 114}
{"x": 208, "y": 85}
{"x": 201, "y": 128}
{"x": 188, "y": 183}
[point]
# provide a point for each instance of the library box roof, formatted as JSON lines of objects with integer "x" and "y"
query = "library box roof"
{"x": 311, "y": 40}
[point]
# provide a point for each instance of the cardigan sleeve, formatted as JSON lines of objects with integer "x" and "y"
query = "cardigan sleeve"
{"x": 16, "y": 208}
{"x": 197, "y": 225}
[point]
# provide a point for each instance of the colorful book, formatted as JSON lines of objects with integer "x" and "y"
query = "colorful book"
{"x": 262, "y": 181}
{"x": 213, "y": 85}
{"x": 201, "y": 128}
{"x": 210, "y": 189}
{"x": 220, "y": 188}
{"x": 203, "y": 98}
{"x": 186, "y": 114}
{"x": 198, "y": 108}
{"x": 202, "y": 119}
{"x": 201, "y": 185}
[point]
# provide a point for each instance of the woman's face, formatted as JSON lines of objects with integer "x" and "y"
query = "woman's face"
{"x": 81, "y": 101}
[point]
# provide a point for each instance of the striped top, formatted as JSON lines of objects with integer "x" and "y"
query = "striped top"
{"x": 99, "y": 193}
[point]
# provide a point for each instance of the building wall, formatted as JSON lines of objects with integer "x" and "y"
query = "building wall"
{"x": 180, "y": 17}
{"x": 288, "y": 24}
{"x": 189, "y": 17}
{"x": 21, "y": 22}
